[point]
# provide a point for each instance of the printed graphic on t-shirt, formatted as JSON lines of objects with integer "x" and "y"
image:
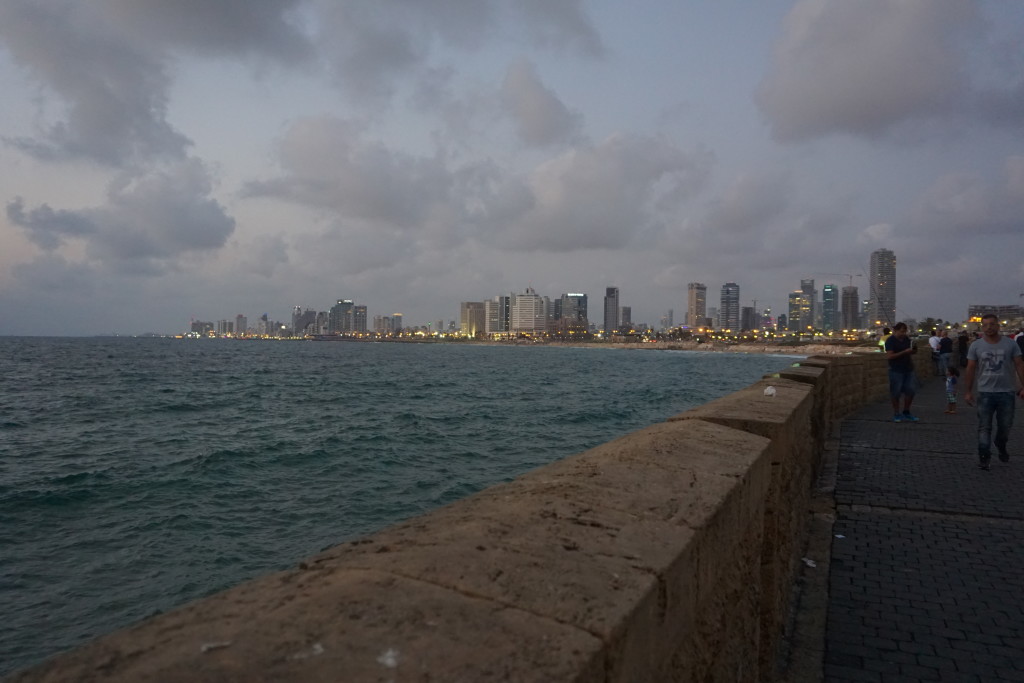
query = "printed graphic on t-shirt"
{"x": 991, "y": 362}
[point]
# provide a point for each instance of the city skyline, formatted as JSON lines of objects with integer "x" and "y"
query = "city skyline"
{"x": 529, "y": 311}
{"x": 168, "y": 161}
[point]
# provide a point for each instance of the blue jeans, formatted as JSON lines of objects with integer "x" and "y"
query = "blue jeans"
{"x": 1001, "y": 405}
{"x": 901, "y": 383}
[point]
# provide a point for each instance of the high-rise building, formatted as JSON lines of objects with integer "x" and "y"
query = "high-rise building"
{"x": 529, "y": 313}
{"x": 797, "y": 305}
{"x": 472, "y": 318}
{"x": 748, "y": 318}
{"x": 626, "y": 317}
{"x": 241, "y": 324}
{"x": 611, "y": 310}
{"x": 496, "y": 315}
{"x": 666, "y": 320}
{"x": 574, "y": 307}
{"x": 829, "y": 307}
{"x": 807, "y": 313}
{"x": 359, "y": 318}
{"x": 340, "y": 317}
{"x": 851, "y": 308}
{"x": 572, "y": 313}
{"x": 696, "y": 304}
{"x": 729, "y": 311}
{"x": 882, "y": 293}
{"x": 396, "y": 322}
{"x": 303, "y": 321}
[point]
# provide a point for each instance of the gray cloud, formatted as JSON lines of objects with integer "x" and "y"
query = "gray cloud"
{"x": 555, "y": 24}
{"x": 960, "y": 204}
{"x": 226, "y": 27}
{"x": 115, "y": 92}
{"x": 372, "y": 46}
{"x": 541, "y": 118}
{"x": 753, "y": 201}
{"x": 107, "y": 62}
{"x": 863, "y": 67}
{"x": 49, "y": 228}
{"x": 147, "y": 223}
{"x": 597, "y": 197}
{"x": 328, "y": 164}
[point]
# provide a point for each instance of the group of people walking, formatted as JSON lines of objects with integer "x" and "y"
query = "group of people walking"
{"x": 994, "y": 378}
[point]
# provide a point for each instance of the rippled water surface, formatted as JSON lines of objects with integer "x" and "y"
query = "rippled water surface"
{"x": 138, "y": 474}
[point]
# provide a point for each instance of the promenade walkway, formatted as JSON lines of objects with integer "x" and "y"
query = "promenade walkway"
{"x": 926, "y": 575}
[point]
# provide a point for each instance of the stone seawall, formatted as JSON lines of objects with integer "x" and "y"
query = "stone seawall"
{"x": 667, "y": 554}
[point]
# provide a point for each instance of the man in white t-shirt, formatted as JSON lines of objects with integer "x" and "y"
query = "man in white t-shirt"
{"x": 933, "y": 341}
{"x": 997, "y": 364}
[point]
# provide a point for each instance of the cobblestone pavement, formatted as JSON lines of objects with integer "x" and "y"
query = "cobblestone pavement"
{"x": 926, "y": 580}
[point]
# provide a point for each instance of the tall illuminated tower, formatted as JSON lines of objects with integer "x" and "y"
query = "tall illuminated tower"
{"x": 611, "y": 310}
{"x": 829, "y": 307}
{"x": 729, "y": 312}
{"x": 882, "y": 288}
{"x": 697, "y": 304}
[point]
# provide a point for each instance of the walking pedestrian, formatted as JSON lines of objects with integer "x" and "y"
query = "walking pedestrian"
{"x": 933, "y": 341}
{"x": 997, "y": 364}
{"x": 945, "y": 351}
{"x": 962, "y": 342}
{"x": 899, "y": 351}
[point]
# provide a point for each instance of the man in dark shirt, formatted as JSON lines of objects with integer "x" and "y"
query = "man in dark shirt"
{"x": 899, "y": 351}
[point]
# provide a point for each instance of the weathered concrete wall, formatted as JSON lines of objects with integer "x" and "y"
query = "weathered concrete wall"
{"x": 667, "y": 554}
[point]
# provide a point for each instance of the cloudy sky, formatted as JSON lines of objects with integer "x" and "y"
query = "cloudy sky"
{"x": 161, "y": 161}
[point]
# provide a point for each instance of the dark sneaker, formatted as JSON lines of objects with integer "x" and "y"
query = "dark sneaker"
{"x": 1004, "y": 456}
{"x": 983, "y": 461}
{"x": 907, "y": 417}
{"x": 897, "y": 418}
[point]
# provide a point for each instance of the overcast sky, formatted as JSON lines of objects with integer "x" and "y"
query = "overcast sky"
{"x": 161, "y": 161}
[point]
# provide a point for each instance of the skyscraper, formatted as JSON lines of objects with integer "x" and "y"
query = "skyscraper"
{"x": 795, "y": 317}
{"x": 359, "y": 318}
{"x": 496, "y": 314}
{"x": 748, "y": 318}
{"x": 574, "y": 307}
{"x": 807, "y": 313}
{"x": 529, "y": 312}
{"x": 472, "y": 318}
{"x": 340, "y": 317}
{"x": 851, "y": 308}
{"x": 729, "y": 312}
{"x": 611, "y": 310}
{"x": 572, "y": 314}
{"x": 697, "y": 304}
{"x": 883, "y": 288}
{"x": 829, "y": 307}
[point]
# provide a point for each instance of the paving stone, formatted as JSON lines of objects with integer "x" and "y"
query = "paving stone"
{"x": 927, "y": 564}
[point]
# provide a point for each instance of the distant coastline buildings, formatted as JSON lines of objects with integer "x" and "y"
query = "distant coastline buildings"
{"x": 531, "y": 314}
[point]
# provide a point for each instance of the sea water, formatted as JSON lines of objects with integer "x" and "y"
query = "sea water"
{"x": 139, "y": 474}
